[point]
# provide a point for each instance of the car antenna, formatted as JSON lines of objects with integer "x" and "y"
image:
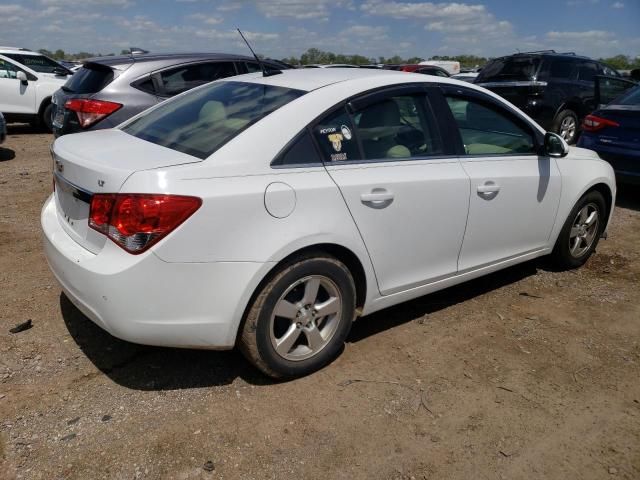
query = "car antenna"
{"x": 265, "y": 72}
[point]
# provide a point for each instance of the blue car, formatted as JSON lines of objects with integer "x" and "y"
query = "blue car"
{"x": 614, "y": 132}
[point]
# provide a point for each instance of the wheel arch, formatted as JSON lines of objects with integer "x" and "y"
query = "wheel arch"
{"x": 43, "y": 104}
{"x": 340, "y": 252}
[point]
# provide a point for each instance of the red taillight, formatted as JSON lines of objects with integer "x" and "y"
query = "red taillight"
{"x": 90, "y": 111}
{"x": 593, "y": 123}
{"x": 136, "y": 221}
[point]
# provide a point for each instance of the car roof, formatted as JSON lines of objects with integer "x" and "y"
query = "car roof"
{"x": 159, "y": 57}
{"x": 308, "y": 79}
{"x": 546, "y": 54}
{"x": 21, "y": 51}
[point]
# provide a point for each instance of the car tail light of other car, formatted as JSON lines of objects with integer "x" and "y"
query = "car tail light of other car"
{"x": 593, "y": 123}
{"x": 90, "y": 111}
{"x": 137, "y": 221}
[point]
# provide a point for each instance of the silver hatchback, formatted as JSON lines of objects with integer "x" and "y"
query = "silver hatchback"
{"x": 109, "y": 90}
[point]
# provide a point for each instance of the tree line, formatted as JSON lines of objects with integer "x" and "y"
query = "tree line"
{"x": 316, "y": 56}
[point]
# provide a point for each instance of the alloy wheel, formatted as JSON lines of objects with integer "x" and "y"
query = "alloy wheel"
{"x": 305, "y": 317}
{"x": 584, "y": 230}
{"x": 568, "y": 128}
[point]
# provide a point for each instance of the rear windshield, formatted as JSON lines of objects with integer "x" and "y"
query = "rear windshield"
{"x": 509, "y": 69}
{"x": 199, "y": 122}
{"x": 37, "y": 63}
{"x": 632, "y": 97}
{"x": 89, "y": 79}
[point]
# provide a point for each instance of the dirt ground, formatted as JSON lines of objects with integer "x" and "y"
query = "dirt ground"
{"x": 527, "y": 373}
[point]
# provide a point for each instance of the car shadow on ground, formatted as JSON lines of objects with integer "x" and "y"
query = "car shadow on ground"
{"x": 628, "y": 196}
{"x": 23, "y": 129}
{"x": 154, "y": 368}
{"x": 418, "y": 308}
{"x": 6, "y": 154}
{"x": 141, "y": 367}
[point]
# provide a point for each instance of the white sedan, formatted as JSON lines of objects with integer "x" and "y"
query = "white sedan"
{"x": 269, "y": 212}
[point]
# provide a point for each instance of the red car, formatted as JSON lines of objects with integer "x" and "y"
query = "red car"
{"x": 415, "y": 68}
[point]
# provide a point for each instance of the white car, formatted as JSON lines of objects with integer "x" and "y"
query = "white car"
{"x": 268, "y": 212}
{"x": 27, "y": 82}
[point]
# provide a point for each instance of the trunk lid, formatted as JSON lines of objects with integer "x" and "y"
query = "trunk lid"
{"x": 627, "y": 134}
{"x": 100, "y": 162}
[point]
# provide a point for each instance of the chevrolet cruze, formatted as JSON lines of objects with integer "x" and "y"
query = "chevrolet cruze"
{"x": 268, "y": 213}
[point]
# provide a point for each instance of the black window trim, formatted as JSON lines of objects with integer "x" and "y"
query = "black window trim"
{"x": 363, "y": 99}
{"x": 30, "y": 76}
{"x": 488, "y": 101}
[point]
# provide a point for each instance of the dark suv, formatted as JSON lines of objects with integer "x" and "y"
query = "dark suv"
{"x": 109, "y": 90}
{"x": 555, "y": 89}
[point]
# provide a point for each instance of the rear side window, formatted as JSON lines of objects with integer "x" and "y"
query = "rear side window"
{"x": 200, "y": 122}
{"x": 335, "y": 137}
{"x": 397, "y": 127}
{"x": 518, "y": 68}
{"x": 562, "y": 69}
{"x": 630, "y": 98}
{"x": 586, "y": 71}
{"x": 186, "y": 77}
{"x": 302, "y": 152}
{"x": 89, "y": 79}
{"x": 487, "y": 131}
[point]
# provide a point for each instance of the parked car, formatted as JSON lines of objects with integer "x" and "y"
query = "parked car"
{"x": 331, "y": 65}
{"x": 614, "y": 132}
{"x": 268, "y": 213}
{"x": 423, "y": 69}
{"x": 466, "y": 77}
{"x": 3, "y": 129}
{"x": 107, "y": 91}
{"x": 27, "y": 82}
{"x": 555, "y": 89}
{"x": 451, "y": 66}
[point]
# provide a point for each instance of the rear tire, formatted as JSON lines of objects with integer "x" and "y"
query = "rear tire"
{"x": 581, "y": 232}
{"x": 46, "y": 121}
{"x": 300, "y": 319}
{"x": 566, "y": 125}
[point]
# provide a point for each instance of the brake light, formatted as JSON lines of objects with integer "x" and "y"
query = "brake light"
{"x": 137, "y": 221}
{"x": 90, "y": 111}
{"x": 593, "y": 123}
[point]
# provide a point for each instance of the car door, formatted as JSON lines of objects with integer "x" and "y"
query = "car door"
{"x": 406, "y": 192}
{"x": 587, "y": 71}
{"x": 608, "y": 88}
{"x": 15, "y": 96}
{"x": 514, "y": 192}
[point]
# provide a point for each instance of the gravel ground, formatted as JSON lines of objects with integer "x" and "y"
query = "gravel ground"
{"x": 527, "y": 373}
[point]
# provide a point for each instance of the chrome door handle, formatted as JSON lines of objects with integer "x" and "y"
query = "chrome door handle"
{"x": 488, "y": 188}
{"x": 377, "y": 198}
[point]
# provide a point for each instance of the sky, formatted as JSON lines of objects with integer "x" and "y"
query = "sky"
{"x": 282, "y": 28}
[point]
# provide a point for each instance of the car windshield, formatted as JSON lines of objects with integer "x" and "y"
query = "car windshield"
{"x": 199, "y": 122}
{"x": 37, "y": 63}
{"x": 631, "y": 97}
{"x": 510, "y": 69}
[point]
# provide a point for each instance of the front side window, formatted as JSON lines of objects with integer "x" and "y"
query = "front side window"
{"x": 200, "y": 122}
{"x": 37, "y": 63}
{"x": 586, "y": 71}
{"x": 7, "y": 70}
{"x": 336, "y": 138}
{"x": 186, "y": 77}
{"x": 562, "y": 69}
{"x": 487, "y": 131}
{"x": 397, "y": 127}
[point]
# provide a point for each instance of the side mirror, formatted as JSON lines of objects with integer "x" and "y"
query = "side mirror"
{"x": 555, "y": 145}
{"x": 61, "y": 72}
{"x": 22, "y": 77}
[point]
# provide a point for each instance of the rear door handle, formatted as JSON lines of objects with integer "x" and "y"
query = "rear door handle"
{"x": 488, "y": 188}
{"x": 377, "y": 198}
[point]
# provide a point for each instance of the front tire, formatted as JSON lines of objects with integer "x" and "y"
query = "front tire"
{"x": 581, "y": 231}
{"x": 298, "y": 322}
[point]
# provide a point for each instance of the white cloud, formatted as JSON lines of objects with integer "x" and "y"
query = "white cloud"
{"x": 208, "y": 19}
{"x": 303, "y": 9}
{"x": 617, "y": 5}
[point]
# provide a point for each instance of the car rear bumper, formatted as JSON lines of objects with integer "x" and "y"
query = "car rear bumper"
{"x": 143, "y": 299}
